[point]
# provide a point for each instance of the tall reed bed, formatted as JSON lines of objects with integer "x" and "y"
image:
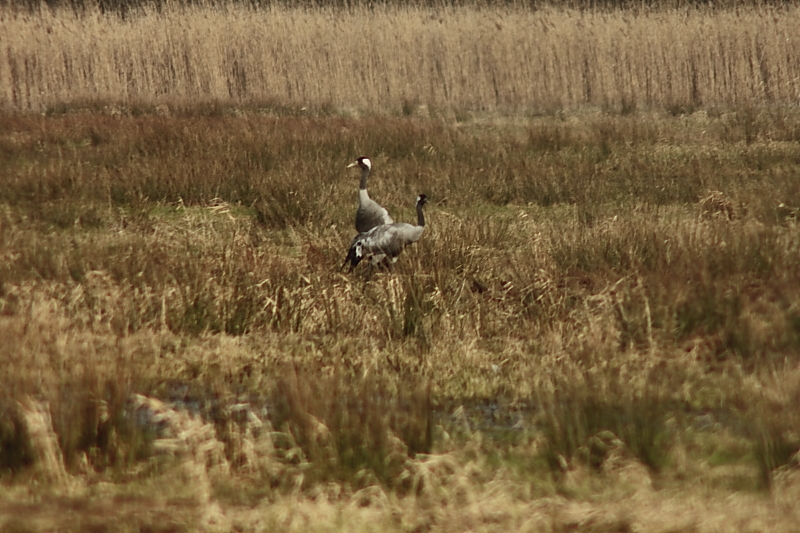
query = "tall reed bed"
{"x": 384, "y": 59}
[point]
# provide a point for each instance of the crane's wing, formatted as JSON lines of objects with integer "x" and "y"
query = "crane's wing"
{"x": 370, "y": 215}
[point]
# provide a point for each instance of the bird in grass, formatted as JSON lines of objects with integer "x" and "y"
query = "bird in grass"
{"x": 369, "y": 213}
{"x": 387, "y": 241}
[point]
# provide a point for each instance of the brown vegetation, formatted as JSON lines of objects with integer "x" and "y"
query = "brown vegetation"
{"x": 441, "y": 61}
{"x": 599, "y": 330}
{"x": 576, "y": 295}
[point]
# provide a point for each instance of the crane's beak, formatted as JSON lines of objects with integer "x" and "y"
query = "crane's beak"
{"x": 354, "y": 163}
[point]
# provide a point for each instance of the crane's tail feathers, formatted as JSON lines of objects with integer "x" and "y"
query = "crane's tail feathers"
{"x": 353, "y": 256}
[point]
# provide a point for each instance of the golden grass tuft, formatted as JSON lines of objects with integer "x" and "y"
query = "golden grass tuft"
{"x": 43, "y": 440}
{"x": 716, "y": 204}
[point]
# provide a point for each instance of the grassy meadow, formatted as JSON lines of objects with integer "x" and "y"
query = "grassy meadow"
{"x": 599, "y": 330}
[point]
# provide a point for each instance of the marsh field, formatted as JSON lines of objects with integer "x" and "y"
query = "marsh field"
{"x": 599, "y": 330}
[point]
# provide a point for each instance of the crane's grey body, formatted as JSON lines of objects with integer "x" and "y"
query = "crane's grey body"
{"x": 387, "y": 240}
{"x": 369, "y": 214}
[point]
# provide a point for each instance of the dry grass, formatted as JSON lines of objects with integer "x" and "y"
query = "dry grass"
{"x": 601, "y": 318}
{"x": 599, "y": 330}
{"x": 445, "y": 61}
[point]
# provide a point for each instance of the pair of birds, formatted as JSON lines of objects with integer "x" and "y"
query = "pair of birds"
{"x": 379, "y": 237}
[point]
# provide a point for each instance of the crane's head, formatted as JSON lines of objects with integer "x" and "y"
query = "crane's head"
{"x": 354, "y": 255}
{"x": 422, "y": 200}
{"x": 363, "y": 162}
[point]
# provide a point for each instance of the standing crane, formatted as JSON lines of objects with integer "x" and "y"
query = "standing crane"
{"x": 386, "y": 241}
{"x": 369, "y": 213}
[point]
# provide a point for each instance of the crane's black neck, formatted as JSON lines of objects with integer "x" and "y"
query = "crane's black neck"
{"x": 420, "y": 216}
{"x": 364, "y": 176}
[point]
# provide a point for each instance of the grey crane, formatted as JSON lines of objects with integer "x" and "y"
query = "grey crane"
{"x": 369, "y": 213}
{"x": 386, "y": 241}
